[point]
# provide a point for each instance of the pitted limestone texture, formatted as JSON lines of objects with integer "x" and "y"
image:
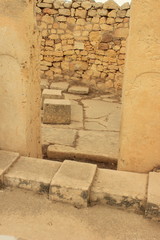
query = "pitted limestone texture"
{"x": 123, "y": 189}
{"x": 31, "y": 174}
{"x": 72, "y": 183}
{"x": 57, "y": 111}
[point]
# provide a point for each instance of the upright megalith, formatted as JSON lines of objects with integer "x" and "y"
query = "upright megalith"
{"x": 140, "y": 130}
{"x": 19, "y": 78}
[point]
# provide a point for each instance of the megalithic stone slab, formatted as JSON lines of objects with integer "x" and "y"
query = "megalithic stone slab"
{"x": 51, "y": 94}
{"x": 57, "y": 111}
{"x": 153, "y": 196}
{"x": 72, "y": 183}
{"x": 6, "y": 161}
{"x": 122, "y": 189}
{"x": 32, "y": 174}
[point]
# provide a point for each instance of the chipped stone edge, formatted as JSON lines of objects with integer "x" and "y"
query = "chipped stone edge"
{"x": 150, "y": 210}
{"x": 2, "y": 184}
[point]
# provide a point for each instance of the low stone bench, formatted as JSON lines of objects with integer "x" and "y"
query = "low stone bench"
{"x": 57, "y": 111}
{"x": 51, "y": 94}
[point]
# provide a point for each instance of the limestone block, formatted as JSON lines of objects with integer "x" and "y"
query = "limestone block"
{"x": 67, "y": 4}
{"x": 7, "y": 159}
{"x": 32, "y": 174}
{"x": 44, "y": 5}
{"x": 78, "y": 65}
{"x": 125, "y": 6}
{"x": 72, "y": 183}
{"x": 80, "y": 13}
{"x": 121, "y": 33}
{"x": 153, "y": 196}
{"x": 110, "y": 4}
{"x": 60, "y": 85}
{"x": 51, "y": 94}
{"x": 65, "y": 12}
{"x": 103, "y": 12}
{"x": 75, "y": 5}
{"x": 57, "y": 111}
{"x": 124, "y": 189}
{"x": 92, "y": 13}
{"x": 79, "y": 45}
{"x": 86, "y": 4}
{"x": 78, "y": 90}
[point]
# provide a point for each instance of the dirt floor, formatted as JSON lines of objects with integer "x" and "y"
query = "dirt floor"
{"x": 33, "y": 217}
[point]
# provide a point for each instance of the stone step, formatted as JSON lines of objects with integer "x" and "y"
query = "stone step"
{"x": 57, "y": 111}
{"x": 32, "y": 174}
{"x": 79, "y": 90}
{"x": 62, "y": 152}
{"x": 7, "y": 159}
{"x": 118, "y": 188}
{"x": 72, "y": 183}
{"x": 51, "y": 94}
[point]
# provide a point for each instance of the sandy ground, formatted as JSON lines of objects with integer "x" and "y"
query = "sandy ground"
{"x": 33, "y": 217}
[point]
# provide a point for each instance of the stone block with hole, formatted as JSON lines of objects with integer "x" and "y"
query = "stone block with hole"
{"x": 32, "y": 174}
{"x": 153, "y": 196}
{"x": 57, "y": 111}
{"x": 122, "y": 189}
{"x": 51, "y": 94}
{"x": 7, "y": 159}
{"x": 72, "y": 183}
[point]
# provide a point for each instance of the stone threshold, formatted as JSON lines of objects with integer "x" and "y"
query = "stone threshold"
{"x": 82, "y": 184}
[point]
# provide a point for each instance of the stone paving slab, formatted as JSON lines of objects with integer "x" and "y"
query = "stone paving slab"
{"x": 60, "y": 85}
{"x": 78, "y": 90}
{"x": 32, "y": 174}
{"x": 7, "y": 159}
{"x": 52, "y": 135}
{"x": 61, "y": 152}
{"x": 123, "y": 189}
{"x": 102, "y": 115}
{"x": 72, "y": 183}
{"x": 102, "y": 143}
{"x": 153, "y": 196}
{"x": 51, "y": 94}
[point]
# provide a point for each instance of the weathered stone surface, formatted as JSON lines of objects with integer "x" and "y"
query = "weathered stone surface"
{"x": 60, "y": 85}
{"x": 52, "y": 135}
{"x": 153, "y": 196}
{"x": 124, "y": 189}
{"x": 141, "y": 131}
{"x": 72, "y": 183}
{"x": 121, "y": 33}
{"x": 32, "y": 174}
{"x": 105, "y": 113}
{"x": 51, "y": 94}
{"x": 78, "y": 90}
{"x": 57, "y": 111}
{"x": 79, "y": 65}
{"x": 93, "y": 141}
{"x": 7, "y": 159}
{"x": 19, "y": 74}
{"x": 79, "y": 45}
{"x": 67, "y": 152}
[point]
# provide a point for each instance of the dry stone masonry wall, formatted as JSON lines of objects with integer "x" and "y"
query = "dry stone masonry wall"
{"x": 83, "y": 42}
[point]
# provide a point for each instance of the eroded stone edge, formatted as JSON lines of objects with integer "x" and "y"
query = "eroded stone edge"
{"x": 2, "y": 185}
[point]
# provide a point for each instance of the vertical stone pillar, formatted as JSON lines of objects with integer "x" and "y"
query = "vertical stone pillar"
{"x": 19, "y": 78}
{"x": 140, "y": 129}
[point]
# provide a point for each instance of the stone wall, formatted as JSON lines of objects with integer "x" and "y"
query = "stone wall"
{"x": 83, "y": 42}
